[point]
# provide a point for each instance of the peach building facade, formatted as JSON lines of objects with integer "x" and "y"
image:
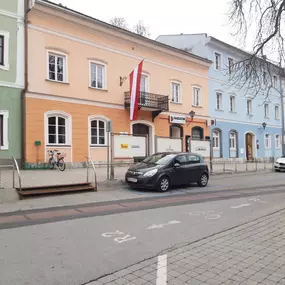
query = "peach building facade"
{"x": 78, "y": 80}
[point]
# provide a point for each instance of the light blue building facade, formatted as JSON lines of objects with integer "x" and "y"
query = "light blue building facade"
{"x": 246, "y": 126}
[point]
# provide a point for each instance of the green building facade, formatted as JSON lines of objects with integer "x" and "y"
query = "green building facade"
{"x": 11, "y": 78}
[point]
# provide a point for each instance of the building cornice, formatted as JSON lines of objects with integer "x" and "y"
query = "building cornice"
{"x": 60, "y": 13}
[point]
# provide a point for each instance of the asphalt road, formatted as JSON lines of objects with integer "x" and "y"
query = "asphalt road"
{"x": 74, "y": 252}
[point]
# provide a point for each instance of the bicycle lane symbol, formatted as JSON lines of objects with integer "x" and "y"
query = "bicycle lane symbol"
{"x": 209, "y": 215}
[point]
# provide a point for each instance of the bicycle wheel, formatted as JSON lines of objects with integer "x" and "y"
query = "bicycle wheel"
{"x": 61, "y": 164}
{"x": 51, "y": 164}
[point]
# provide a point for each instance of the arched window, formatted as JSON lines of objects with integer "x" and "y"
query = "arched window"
{"x": 58, "y": 128}
{"x": 98, "y": 132}
{"x": 233, "y": 140}
{"x": 176, "y": 131}
{"x": 197, "y": 133}
{"x": 216, "y": 139}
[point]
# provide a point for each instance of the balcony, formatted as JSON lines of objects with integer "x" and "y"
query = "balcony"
{"x": 149, "y": 101}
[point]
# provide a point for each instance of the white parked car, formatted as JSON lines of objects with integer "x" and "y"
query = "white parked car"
{"x": 279, "y": 164}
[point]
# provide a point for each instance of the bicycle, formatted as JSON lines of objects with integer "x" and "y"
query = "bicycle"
{"x": 59, "y": 162}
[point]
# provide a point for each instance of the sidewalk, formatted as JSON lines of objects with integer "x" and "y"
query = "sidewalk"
{"x": 253, "y": 253}
{"x": 55, "y": 177}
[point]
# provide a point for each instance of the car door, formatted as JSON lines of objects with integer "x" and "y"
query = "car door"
{"x": 179, "y": 173}
{"x": 193, "y": 168}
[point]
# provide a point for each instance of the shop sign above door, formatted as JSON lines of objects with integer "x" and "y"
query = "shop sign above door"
{"x": 177, "y": 119}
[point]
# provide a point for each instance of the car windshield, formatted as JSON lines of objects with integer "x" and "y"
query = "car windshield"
{"x": 160, "y": 159}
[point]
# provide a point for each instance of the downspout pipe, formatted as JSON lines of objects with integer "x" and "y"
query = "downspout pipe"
{"x": 282, "y": 112}
{"x": 23, "y": 93}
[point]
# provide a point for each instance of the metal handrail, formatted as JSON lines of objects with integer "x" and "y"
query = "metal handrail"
{"x": 19, "y": 175}
{"x": 94, "y": 170}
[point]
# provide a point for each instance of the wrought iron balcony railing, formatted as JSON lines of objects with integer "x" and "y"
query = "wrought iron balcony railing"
{"x": 149, "y": 100}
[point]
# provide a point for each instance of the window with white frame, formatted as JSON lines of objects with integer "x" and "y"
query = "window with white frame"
{"x": 233, "y": 143}
{"x": 197, "y": 100}
{"x": 217, "y": 61}
{"x": 267, "y": 141}
{"x": 98, "y": 132}
{"x": 175, "y": 91}
{"x": 57, "y": 67}
{"x": 4, "y": 115}
{"x": 275, "y": 81}
{"x": 266, "y": 110}
{"x": 144, "y": 83}
{"x": 97, "y": 75}
{"x": 230, "y": 65}
{"x": 249, "y": 107}
{"x": 4, "y": 50}
{"x": 216, "y": 139}
{"x": 277, "y": 141}
{"x": 219, "y": 101}
{"x": 276, "y": 112}
{"x": 232, "y": 103}
{"x": 57, "y": 130}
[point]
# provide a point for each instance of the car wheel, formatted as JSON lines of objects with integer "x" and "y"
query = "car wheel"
{"x": 277, "y": 170}
{"x": 203, "y": 180}
{"x": 163, "y": 184}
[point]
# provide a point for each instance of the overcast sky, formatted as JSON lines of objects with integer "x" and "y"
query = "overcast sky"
{"x": 163, "y": 16}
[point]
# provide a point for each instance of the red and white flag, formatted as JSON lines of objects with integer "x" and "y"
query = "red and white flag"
{"x": 135, "y": 84}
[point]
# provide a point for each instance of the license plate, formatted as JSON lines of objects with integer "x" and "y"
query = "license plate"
{"x": 132, "y": 179}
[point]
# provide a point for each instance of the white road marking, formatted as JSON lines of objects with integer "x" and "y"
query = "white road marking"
{"x": 124, "y": 239}
{"x": 161, "y": 278}
{"x": 257, "y": 200}
{"x": 240, "y": 206}
{"x": 163, "y": 225}
{"x": 210, "y": 215}
{"x": 119, "y": 237}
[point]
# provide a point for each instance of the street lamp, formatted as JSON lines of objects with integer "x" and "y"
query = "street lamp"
{"x": 264, "y": 125}
{"x": 192, "y": 114}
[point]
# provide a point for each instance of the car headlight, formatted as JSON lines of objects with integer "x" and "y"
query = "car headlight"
{"x": 150, "y": 173}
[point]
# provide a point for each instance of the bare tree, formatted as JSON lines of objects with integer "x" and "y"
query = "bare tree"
{"x": 264, "y": 19}
{"x": 119, "y": 22}
{"x": 141, "y": 29}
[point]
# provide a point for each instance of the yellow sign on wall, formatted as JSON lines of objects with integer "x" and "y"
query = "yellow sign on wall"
{"x": 124, "y": 145}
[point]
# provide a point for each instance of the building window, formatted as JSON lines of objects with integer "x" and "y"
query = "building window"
{"x": 4, "y": 50}
{"x": 233, "y": 141}
{"x": 2, "y": 39}
{"x": 197, "y": 133}
{"x": 217, "y": 61}
{"x": 230, "y": 65}
{"x": 98, "y": 132}
{"x": 4, "y": 130}
{"x": 249, "y": 107}
{"x": 219, "y": 101}
{"x": 1, "y": 130}
{"x": 276, "y": 112}
{"x": 57, "y": 130}
{"x": 266, "y": 110}
{"x": 267, "y": 141}
{"x": 216, "y": 139}
{"x": 197, "y": 97}
{"x": 232, "y": 103}
{"x": 57, "y": 67}
{"x": 144, "y": 83}
{"x": 97, "y": 75}
{"x": 175, "y": 91}
{"x": 277, "y": 141}
{"x": 176, "y": 131}
{"x": 275, "y": 81}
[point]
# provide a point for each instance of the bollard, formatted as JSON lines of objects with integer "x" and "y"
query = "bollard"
{"x": 255, "y": 165}
{"x": 246, "y": 166}
{"x": 224, "y": 167}
{"x": 235, "y": 167}
{"x": 264, "y": 164}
